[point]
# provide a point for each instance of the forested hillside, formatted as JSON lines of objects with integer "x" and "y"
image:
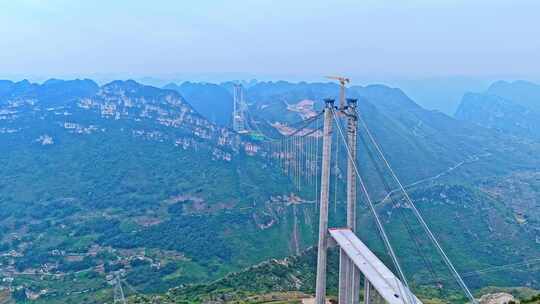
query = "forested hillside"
{"x": 132, "y": 180}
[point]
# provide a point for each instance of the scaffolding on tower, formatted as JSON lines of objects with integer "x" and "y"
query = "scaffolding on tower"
{"x": 239, "y": 110}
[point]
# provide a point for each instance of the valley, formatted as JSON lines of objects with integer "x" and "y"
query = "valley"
{"x": 140, "y": 182}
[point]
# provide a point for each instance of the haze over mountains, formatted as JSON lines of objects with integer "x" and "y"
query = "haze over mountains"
{"x": 442, "y": 93}
{"x": 144, "y": 179}
{"x": 129, "y": 167}
{"x": 513, "y": 108}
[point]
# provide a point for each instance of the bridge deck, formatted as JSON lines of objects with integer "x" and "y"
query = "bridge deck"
{"x": 380, "y": 277}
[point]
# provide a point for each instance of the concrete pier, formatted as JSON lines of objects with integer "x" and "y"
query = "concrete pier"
{"x": 320, "y": 289}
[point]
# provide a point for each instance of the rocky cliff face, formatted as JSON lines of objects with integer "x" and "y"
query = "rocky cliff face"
{"x": 81, "y": 106}
{"x": 497, "y": 298}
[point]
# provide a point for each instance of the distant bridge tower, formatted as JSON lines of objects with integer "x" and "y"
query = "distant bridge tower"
{"x": 355, "y": 259}
{"x": 239, "y": 109}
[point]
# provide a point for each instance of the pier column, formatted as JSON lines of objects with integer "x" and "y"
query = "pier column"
{"x": 320, "y": 289}
{"x": 353, "y": 274}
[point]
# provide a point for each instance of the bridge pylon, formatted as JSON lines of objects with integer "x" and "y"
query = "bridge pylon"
{"x": 349, "y": 278}
{"x": 322, "y": 251}
{"x": 356, "y": 260}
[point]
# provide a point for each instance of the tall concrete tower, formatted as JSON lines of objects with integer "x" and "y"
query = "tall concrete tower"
{"x": 320, "y": 288}
{"x": 239, "y": 109}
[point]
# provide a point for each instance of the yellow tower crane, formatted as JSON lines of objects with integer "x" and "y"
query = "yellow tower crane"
{"x": 343, "y": 81}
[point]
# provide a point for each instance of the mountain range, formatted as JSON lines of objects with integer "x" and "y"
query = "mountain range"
{"x": 151, "y": 183}
{"x": 513, "y": 108}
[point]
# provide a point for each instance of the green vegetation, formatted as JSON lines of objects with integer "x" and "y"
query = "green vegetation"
{"x": 122, "y": 193}
{"x": 292, "y": 278}
{"x": 532, "y": 300}
{"x": 135, "y": 192}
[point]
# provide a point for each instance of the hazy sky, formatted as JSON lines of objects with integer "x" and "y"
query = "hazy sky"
{"x": 401, "y": 38}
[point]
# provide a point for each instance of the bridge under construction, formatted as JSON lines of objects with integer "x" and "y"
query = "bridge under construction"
{"x": 298, "y": 154}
